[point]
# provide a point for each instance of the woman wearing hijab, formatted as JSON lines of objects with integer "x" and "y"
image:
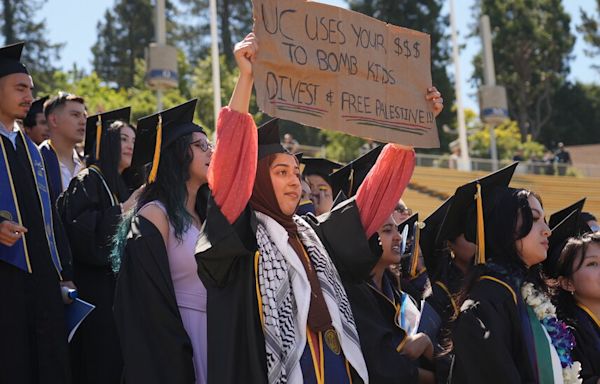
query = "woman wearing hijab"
{"x": 90, "y": 210}
{"x": 277, "y": 309}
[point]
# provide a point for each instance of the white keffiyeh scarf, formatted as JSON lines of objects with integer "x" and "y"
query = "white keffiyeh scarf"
{"x": 285, "y": 293}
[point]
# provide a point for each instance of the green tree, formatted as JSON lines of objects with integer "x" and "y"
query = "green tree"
{"x": 123, "y": 36}
{"x": 19, "y": 24}
{"x": 532, "y": 43}
{"x": 234, "y": 22}
{"x": 508, "y": 142}
{"x": 425, "y": 16}
{"x": 576, "y": 116}
{"x": 590, "y": 28}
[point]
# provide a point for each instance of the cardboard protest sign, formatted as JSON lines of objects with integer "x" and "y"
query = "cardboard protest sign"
{"x": 336, "y": 69}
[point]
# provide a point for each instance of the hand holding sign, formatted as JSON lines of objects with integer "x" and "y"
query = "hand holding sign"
{"x": 336, "y": 69}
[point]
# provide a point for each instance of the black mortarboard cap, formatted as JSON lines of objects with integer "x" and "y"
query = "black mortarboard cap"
{"x": 10, "y": 59}
{"x": 561, "y": 232}
{"x": 37, "y": 106}
{"x": 98, "y": 124}
{"x": 429, "y": 233}
{"x": 351, "y": 176}
{"x": 319, "y": 166}
{"x": 269, "y": 141}
{"x": 559, "y": 216}
{"x": 466, "y": 197}
{"x": 156, "y": 132}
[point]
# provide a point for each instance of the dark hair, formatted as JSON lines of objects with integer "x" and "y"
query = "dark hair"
{"x": 110, "y": 157}
{"x": 30, "y": 120}
{"x": 501, "y": 234}
{"x": 169, "y": 187}
{"x": 570, "y": 261}
{"x": 59, "y": 101}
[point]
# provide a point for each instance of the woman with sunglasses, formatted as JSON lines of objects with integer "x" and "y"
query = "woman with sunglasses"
{"x": 91, "y": 209}
{"x": 578, "y": 300}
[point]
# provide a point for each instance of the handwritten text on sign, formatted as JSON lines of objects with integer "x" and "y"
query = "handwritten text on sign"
{"x": 336, "y": 69}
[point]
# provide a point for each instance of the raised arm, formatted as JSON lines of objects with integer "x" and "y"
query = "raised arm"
{"x": 382, "y": 188}
{"x": 233, "y": 165}
{"x": 385, "y": 183}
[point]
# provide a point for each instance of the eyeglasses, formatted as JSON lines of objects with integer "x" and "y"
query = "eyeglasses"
{"x": 403, "y": 210}
{"x": 205, "y": 145}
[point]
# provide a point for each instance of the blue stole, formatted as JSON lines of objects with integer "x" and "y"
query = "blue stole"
{"x": 17, "y": 254}
{"x": 52, "y": 169}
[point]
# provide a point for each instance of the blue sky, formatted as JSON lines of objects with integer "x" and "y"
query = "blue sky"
{"x": 74, "y": 23}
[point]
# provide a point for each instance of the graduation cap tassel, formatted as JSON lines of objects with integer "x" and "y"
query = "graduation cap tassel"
{"x": 415, "y": 256}
{"x": 156, "y": 159}
{"x": 480, "y": 257}
{"x": 98, "y": 136}
{"x": 351, "y": 183}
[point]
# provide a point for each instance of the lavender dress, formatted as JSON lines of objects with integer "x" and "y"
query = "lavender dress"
{"x": 189, "y": 292}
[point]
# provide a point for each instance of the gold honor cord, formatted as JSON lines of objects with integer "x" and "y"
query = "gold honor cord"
{"x": 156, "y": 158}
{"x": 480, "y": 257}
{"x": 351, "y": 179}
{"x": 98, "y": 136}
{"x": 415, "y": 256}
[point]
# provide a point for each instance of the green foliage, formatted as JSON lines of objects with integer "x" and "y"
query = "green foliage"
{"x": 123, "y": 36}
{"x": 342, "y": 147}
{"x": 39, "y": 55}
{"x": 235, "y": 21}
{"x": 532, "y": 43}
{"x": 575, "y": 117}
{"x": 590, "y": 27}
{"x": 508, "y": 142}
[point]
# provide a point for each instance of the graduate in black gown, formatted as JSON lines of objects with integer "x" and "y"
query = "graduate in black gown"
{"x": 578, "y": 300}
{"x": 35, "y": 259}
{"x": 501, "y": 334}
{"x": 154, "y": 342}
{"x": 91, "y": 209}
{"x": 316, "y": 173}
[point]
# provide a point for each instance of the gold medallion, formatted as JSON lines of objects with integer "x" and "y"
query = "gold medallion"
{"x": 332, "y": 341}
{"x": 7, "y": 215}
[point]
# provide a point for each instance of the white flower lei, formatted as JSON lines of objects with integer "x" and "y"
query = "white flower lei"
{"x": 545, "y": 310}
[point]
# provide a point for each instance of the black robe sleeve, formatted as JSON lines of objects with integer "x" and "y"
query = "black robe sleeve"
{"x": 488, "y": 340}
{"x": 225, "y": 254}
{"x": 155, "y": 346}
{"x": 344, "y": 238}
{"x": 587, "y": 347}
{"x": 89, "y": 218}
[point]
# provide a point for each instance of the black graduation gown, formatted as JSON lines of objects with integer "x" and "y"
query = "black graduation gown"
{"x": 488, "y": 338}
{"x": 225, "y": 254}
{"x": 33, "y": 337}
{"x": 343, "y": 236}
{"x": 587, "y": 347}
{"x": 446, "y": 284}
{"x": 91, "y": 220}
{"x": 155, "y": 346}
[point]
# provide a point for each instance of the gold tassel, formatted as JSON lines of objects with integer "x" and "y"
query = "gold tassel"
{"x": 415, "y": 256}
{"x": 98, "y": 136}
{"x": 156, "y": 159}
{"x": 480, "y": 257}
{"x": 351, "y": 178}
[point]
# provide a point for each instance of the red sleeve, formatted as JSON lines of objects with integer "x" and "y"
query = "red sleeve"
{"x": 381, "y": 190}
{"x": 233, "y": 164}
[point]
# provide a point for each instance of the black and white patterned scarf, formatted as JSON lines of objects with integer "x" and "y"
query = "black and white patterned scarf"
{"x": 285, "y": 293}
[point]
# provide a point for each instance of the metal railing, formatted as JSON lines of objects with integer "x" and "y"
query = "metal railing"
{"x": 524, "y": 167}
